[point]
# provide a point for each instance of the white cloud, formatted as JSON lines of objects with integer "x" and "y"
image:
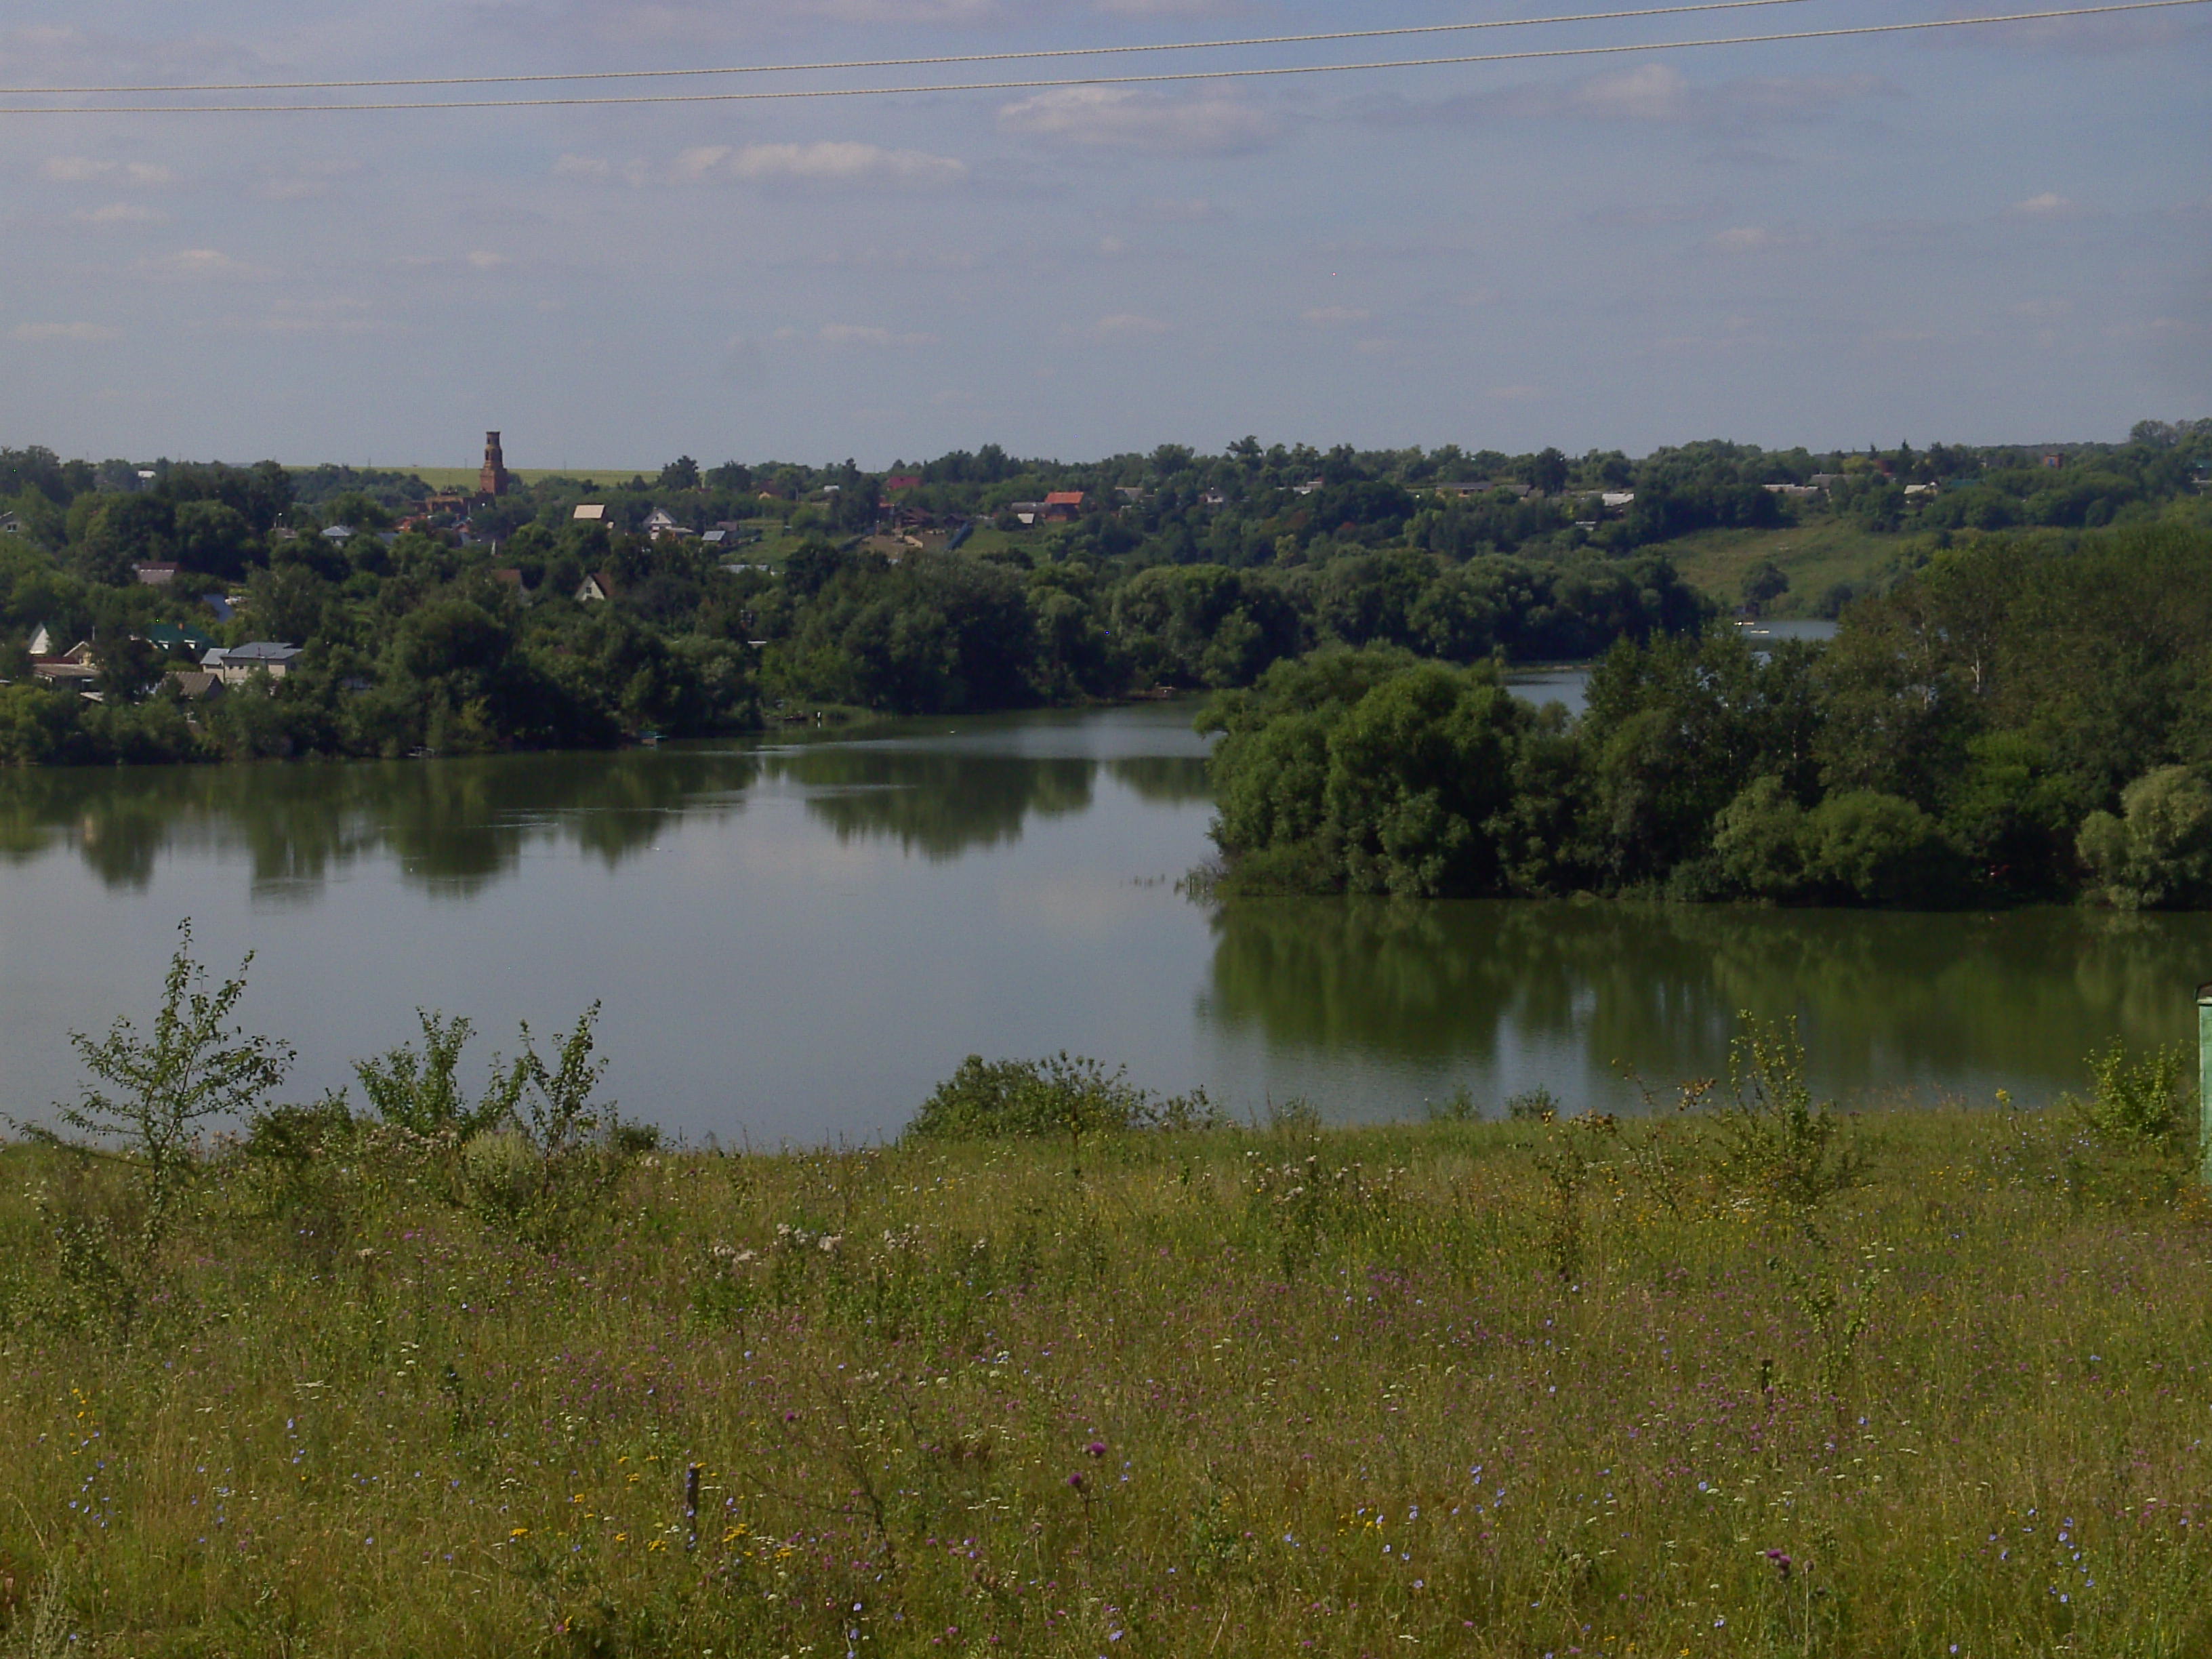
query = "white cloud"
{"x": 81, "y": 332}
{"x": 337, "y": 313}
{"x": 1127, "y": 325}
{"x": 203, "y": 264}
{"x": 1194, "y": 210}
{"x": 1121, "y": 117}
{"x": 1332, "y": 316}
{"x": 860, "y": 334}
{"x": 483, "y": 260}
{"x": 1758, "y": 239}
{"x": 1649, "y": 92}
{"x": 120, "y": 213}
{"x": 1653, "y": 92}
{"x": 84, "y": 170}
{"x": 824, "y": 163}
{"x": 582, "y": 167}
{"x": 2049, "y": 205}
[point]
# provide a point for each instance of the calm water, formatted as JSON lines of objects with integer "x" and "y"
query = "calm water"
{"x": 795, "y": 941}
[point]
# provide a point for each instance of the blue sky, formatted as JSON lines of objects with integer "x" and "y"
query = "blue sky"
{"x": 1999, "y": 234}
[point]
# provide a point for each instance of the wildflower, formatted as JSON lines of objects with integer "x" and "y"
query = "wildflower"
{"x": 1096, "y": 1448}
{"x": 1781, "y": 1560}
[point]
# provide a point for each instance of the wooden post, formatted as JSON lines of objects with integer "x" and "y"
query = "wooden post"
{"x": 691, "y": 1507}
{"x": 2204, "y": 1083}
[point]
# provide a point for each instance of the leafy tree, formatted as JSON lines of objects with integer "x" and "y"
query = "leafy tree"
{"x": 151, "y": 1098}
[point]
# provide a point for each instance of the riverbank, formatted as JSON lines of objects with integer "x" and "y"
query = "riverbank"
{"x": 1504, "y": 1389}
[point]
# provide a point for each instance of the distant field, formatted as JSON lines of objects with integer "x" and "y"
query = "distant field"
{"x": 1814, "y": 557}
{"x": 460, "y": 478}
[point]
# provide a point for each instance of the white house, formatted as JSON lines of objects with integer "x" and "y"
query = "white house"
{"x": 231, "y": 663}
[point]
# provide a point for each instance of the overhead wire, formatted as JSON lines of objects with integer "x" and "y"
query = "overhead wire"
{"x": 1158, "y": 78}
{"x": 850, "y": 64}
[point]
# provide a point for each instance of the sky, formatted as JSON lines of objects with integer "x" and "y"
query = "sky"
{"x": 1987, "y": 235}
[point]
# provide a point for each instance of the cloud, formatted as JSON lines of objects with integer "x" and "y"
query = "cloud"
{"x": 1121, "y": 117}
{"x": 120, "y": 213}
{"x": 856, "y": 334}
{"x": 203, "y": 264}
{"x": 582, "y": 167}
{"x": 2049, "y": 205}
{"x": 79, "y": 331}
{"x": 646, "y": 21}
{"x": 336, "y": 314}
{"x": 823, "y": 163}
{"x": 1649, "y": 92}
{"x": 1127, "y": 325}
{"x": 483, "y": 260}
{"x": 84, "y": 170}
{"x": 1192, "y": 210}
{"x": 1332, "y": 316}
{"x": 1758, "y": 239}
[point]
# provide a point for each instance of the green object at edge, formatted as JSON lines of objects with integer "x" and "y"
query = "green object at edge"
{"x": 2204, "y": 1083}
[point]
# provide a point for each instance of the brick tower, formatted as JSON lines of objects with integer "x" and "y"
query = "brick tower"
{"x": 493, "y": 480}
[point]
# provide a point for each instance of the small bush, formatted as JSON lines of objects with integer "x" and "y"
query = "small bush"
{"x": 1038, "y": 1099}
{"x": 1776, "y": 1142}
{"x": 1536, "y": 1105}
{"x": 2140, "y": 1103}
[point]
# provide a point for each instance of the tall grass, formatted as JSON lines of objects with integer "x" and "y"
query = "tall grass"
{"x": 1517, "y": 1388}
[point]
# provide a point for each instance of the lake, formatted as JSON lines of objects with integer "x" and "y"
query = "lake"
{"x": 793, "y": 938}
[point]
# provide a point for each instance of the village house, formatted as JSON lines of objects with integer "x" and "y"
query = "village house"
{"x": 1063, "y": 504}
{"x": 77, "y": 667}
{"x": 235, "y": 663}
{"x": 155, "y": 575}
{"x": 595, "y": 589}
{"x": 590, "y": 513}
{"x": 170, "y": 637}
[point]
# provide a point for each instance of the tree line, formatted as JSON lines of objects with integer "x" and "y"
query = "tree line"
{"x": 2015, "y": 721}
{"x": 424, "y": 632}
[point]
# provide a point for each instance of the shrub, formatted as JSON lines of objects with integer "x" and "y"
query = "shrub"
{"x": 1776, "y": 1142}
{"x": 420, "y": 1092}
{"x": 2142, "y": 1104}
{"x": 1035, "y": 1099}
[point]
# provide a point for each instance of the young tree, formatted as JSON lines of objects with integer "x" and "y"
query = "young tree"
{"x": 148, "y": 1101}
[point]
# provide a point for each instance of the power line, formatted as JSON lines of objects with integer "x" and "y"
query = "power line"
{"x": 1163, "y": 78}
{"x": 902, "y": 62}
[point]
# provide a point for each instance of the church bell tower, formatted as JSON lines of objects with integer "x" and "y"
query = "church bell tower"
{"x": 494, "y": 479}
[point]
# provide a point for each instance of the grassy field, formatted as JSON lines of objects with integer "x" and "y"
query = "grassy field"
{"x": 1815, "y": 556}
{"x": 1661, "y": 1387}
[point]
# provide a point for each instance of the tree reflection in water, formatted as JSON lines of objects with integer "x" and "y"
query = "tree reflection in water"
{"x": 459, "y": 826}
{"x": 1884, "y": 999}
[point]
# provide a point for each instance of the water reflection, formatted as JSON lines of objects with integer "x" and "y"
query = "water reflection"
{"x": 1884, "y": 1000}
{"x": 458, "y": 826}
